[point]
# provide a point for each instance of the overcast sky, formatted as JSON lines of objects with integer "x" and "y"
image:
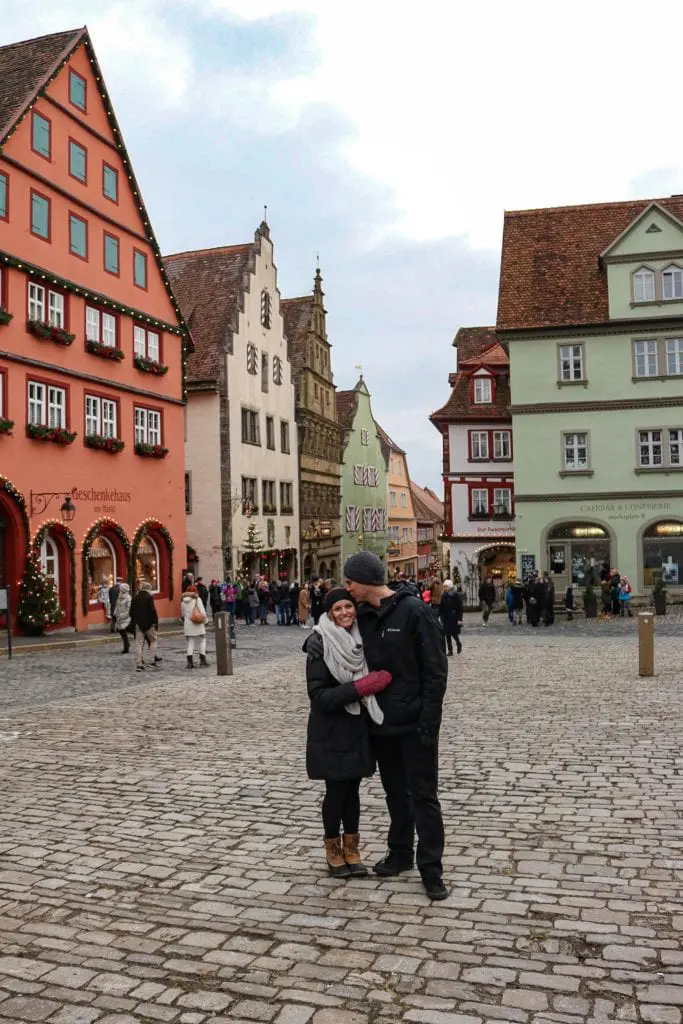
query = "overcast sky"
{"x": 389, "y": 137}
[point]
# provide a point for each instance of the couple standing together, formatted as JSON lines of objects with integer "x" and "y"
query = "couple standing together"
{"x": 376, "y": 672}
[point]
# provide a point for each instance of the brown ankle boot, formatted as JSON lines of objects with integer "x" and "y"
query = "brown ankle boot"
{"x": 350, "y": 842}
{"x": 335, "y": 858}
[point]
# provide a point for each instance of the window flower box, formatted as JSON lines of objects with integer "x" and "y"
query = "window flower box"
{"x": 58, "y": 435}
{"x": 96, "y": 348}
{"x": 47, "y": 332}
{"x": 149, "y": 366}
{"x": 5, "y": 316}
{"x": 248, "y": 509}
{"x": 287, "y": 510}
{"x": 270, "y": 510}
{"x": 104, "y": 444}
{"x": 151, "y": 451}
{"x": 6, "y": 426}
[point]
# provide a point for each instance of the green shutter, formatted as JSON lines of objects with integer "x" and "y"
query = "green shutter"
{"x": 77, "y": 237}
{"x": 77, "y": 160}
{"x": 41, "y": 135}
{"x": 39, "y": 216}
{"x": 140, "y": 269}
{"x": 77, "y": 90}
{"x": 3, "y": 195}
{"x": 110, "y": 183}
{"x": 111, "y": 254}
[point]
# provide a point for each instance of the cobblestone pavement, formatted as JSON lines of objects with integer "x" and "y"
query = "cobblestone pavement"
{"x": 160, "y": 851}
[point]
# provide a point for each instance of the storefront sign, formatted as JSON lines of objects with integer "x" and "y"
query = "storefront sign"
{"x": 527, "y": 564}
{"x": 615, "y": 510}
{"x": 493, "y": 531}
{"x": 106, "y": 499}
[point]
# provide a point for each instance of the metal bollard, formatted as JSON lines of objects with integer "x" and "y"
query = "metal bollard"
{"x": 646, "y": 643}
{"x": 223, "y": 651}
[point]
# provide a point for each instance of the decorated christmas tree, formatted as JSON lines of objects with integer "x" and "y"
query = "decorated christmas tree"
{"x": 38, "y": 600}
{"x": 254, "y": 542}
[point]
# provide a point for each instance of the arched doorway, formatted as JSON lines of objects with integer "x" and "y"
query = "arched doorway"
{"x": 14, "y": 540}
{"x": 576, "y": 553}
{"x": 323, "y": 571}
{"x": 662, "y": 551}
{"x": 152, "y": 558}
{"x": 56, "y": 545}
{"x": 497, "y": 560}
{"x": 333, "y": 570}
{"x": 308, "y": 567}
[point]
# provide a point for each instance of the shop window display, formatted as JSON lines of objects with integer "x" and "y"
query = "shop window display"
{"x": 101, "y": 565}
{"x": 663, "y": 554}
{"x": 147, "y": 564}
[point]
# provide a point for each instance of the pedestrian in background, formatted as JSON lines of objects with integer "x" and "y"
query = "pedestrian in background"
{"x": 625, "y": 597}
{"x": 451, "y": 616}
{"x": 203, "y": 592}
{"x": 144, "y": 614}
{"x": 548, "y": 600}
{"x": 251, "y": 604}
{"x": 122, "y": 615}
{"x": 437, "y": 592}
{"x": 317, "y": 599}
{"x": 569, "y": 602}
{"x": 509, "y": 603}
{"x": 304, "y": 605}
{"x": 517, "y": 590}
{"x": 215, "y": 597}
{"x": 487, "y": 599}
{"x": 113, "y": 595}
{"x": 294, "y": 592}
{"x": 193, "y": 616}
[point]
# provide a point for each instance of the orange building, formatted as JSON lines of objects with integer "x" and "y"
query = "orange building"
{"x": 92, "y": 343}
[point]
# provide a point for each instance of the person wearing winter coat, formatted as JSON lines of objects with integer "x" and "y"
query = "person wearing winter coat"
{"x": 193, "y": 617}
{"x": 548, "y": 600}
{"x": 203, "y": 592}
{"x": 508, "y": 603}
{"x": 487, "y": 599}
{"x": 113, "y": 595}
{"x": 294, "y": 592}
{"x": 304, "y": 605}
{"x": 625, "y": 597}
{"x": 250, "y": 606}
{"x": 517, "y": 594}
{"x": 341, "y": 691}
{"x": 437, "y": 593}
{"x": 122, "y": 615}
{"x": 317, "y": 595}
{"x": 215, "y": 597}
{"x": 569, "y": 602}
{"x": 103, "y": 596}
{"x": 451, "y": 616}
{"x": 144, "y": 614}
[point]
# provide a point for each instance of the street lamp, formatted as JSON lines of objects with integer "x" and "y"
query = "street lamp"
{"x": 39, "y": 501}
{"x": 68, "y": 509}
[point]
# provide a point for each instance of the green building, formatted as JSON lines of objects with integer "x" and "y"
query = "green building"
{"x": 364, "y": 475}
{"x": 591, "y": 309}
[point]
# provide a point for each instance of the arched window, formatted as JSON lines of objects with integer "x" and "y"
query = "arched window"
{"x": 672, "y": 283}
{"x": 147, "y": 563}
{"x": 49, "y": 560}
{"x": 577, "y": 553}
{"x": 265, "y": 308}
{"x": 644, "y": 285}
{"x": 663, "y": 553}
{"x": 101, "y": 566}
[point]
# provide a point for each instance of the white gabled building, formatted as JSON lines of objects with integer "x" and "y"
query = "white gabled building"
{"x": 241, "y": 454}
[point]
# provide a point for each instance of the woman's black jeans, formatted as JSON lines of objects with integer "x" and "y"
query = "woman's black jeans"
{"x": 341, "y": 805}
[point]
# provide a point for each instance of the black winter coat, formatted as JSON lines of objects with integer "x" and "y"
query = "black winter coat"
{"x": 487, "y": 593}
{"x": 337, "y": 743}
{"x": 143, "y": 611}
{"x": 451, "y": 611}
{"x": 404, "y": 637}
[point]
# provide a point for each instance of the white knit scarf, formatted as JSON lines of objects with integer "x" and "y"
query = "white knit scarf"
{"x": 345, "y": 658}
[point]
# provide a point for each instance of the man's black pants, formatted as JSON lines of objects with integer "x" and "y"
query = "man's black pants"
{"x": 410, "y": 776}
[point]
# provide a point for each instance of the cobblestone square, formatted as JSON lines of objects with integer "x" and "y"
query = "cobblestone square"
{"x": 161, "y": 855}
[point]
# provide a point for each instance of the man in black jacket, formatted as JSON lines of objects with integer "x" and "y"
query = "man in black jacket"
{"x": 401, "y": 635}
{"x": 487, "y": 599}
{"x": 113, "y": 596}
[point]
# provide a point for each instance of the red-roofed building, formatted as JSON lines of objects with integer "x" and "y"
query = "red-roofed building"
{"x": 476, "y": 427}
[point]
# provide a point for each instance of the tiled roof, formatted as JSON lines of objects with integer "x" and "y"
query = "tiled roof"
{"x": 388, "y": 442}
{"x": 472, "y": 341}
{"x": 209, "y": 285}
{"x": 550, "y": 274}
{"x": 476, "y": 346}
{"x": 430, "y": 500}
{"x": 494, "y": 355}
{"x": 25, "y": 66}
{"x": 423, "y": 513}
{"x": 346, "y": 407}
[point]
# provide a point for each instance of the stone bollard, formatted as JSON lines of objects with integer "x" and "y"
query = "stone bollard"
{"x": 646, "y": 643}
{"x": 223, "y": 646}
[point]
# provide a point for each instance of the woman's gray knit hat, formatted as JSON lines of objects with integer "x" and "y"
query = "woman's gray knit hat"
{"x": 367, "y": 568}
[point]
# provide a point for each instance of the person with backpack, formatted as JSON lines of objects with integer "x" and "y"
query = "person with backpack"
{"x": 193, "y": 616}
{"x": 625, "y": 597}
{"x": 146, "y": 619}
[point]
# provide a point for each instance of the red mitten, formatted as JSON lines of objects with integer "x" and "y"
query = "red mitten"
{"x": 373, "y": 682}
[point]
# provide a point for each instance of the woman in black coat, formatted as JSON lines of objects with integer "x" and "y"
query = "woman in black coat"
{"x": 450, "y": 613}
{"x": 341, "y": 692}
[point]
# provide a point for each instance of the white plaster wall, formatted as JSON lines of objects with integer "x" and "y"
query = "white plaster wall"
{"x": 459, "y": 450}
{"x": 202, "y": 460}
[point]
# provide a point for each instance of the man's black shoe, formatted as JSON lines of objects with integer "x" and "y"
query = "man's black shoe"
{"x": 435, "y": 888}
{"x": 393, "y": 864}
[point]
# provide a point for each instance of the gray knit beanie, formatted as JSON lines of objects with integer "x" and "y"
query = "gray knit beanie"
{"x": 365, "y": 567}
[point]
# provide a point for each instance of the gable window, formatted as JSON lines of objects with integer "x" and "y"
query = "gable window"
{"x": 250, "y": 427}
{"x": 649, "y": 448}
{"x": 479, "y": 444}
{"x": 502, "y": 447}
{"x": 77, "y": 90}
{"x": 100, "y": 416}
{"x": 110, "y": 183}
{"x": 644, "y": 285}
{"x": 483, "y": 391}
{"x": 78, "y": 236}
{"x": 40, "y": 135}
{"x": 284, "y": 436}
{"x": 571, "y": 362}
{"x": 147, "y": 426}
{"x": 46, "y": 305}
{"x": 100, "y": 326}
{"x": 264, "y": 371}
{"x": 270, "y": 433}
{"x": 4, "y": 197}
{"x": 78, "y": 161}
{"x": 404, "y": 500}
{"x": 146, "y": 344}
{"x": 645, "y": 358}
{"x": 364, "y": 437}
{"x": 46, "y": 405}
{"x": 40, "y": 215}
{"x": 111, "y": 254}
{"x": 674, "y": 356}
{"x": 252, "y": 359}
{"x": 575, "y": 451}
{"x": 139, "y": 269}
{"x": 392, "y": 499}
{"x": 265, "y": 308}
{"x": 277, "y": 370}
{"x": 672, "y": 283}
{"x": 676, "y": 447}
{"x": 286, "y": 497}
{"x": 479, "y": 501}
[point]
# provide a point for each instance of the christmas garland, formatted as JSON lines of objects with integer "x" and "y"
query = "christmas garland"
{"x": 94, "y": 532}
{"x": 68, "y": 536}
{"x": 8, "y": 487}
{"x": 144, "y": 528}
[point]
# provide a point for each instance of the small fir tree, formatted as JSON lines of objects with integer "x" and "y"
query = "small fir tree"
{"x": 254, "y": 542}
{"x": 38, "y": 600}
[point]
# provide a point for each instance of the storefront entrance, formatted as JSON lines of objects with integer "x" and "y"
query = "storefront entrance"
{"x": 576, "y": 554}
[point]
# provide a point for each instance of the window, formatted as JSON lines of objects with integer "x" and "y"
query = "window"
{"x": 46, "y": 306}
{"x": 248, "y": 494}
{"x": 4, "y": 197}
{"x": 502, "y": 497}
{"x": 252, "y": 359}
{"x": 78, "y": 161}
{"x": 571, "y": 362}
{"x": 100, "y": 326}
{"x": 479, "y": 501}
{"x": 482, "y": 390}
{"x": 46, "y": 405}
{"x": 147, "y": 426}
{"x": 146, "y": 343}
{"x": 55, "y": 309}
{"x": 645, "y": 358}
{"x": 188, "y": 493}
{"x": 40, "y": 135}
{"x": 147, "y": 563}
{"x": 672, "y": 283}
{"x": 100, "y": 416}
{"x": 139, "y": 269}
{"x": 479, "y": 444}
{"x": 77, "y": 90}
{"x": 663, "y": 553}
{"x": 575, "y": 451}
{"x": 101, "y": 565}
{"x": 270, "y": 433}
{"x": 364, "y": 437}
{"x": 644, "y": 285}
{"x": 649, "y": 447}
{"x": 49, "y": 559}
{"x": 264, "y": 371}
{"x": 352, "y": 518}
{"x": 502, "y": 444}
{"x": 265, "y": 308}
{"x": 250, "y": 427}
{"x": 3, "y": 300}
{"x": 284, "y": 436}
{"x": 40, "y": 215}
{"x": 286, "y": 497}
{"x": 111, "y": 254}
{"x": 674, "y": 356}
{"x": 404, "y": 500}
{"x": 392, "y": 499}
{"x": 277, "y": 370}
{"x": 268, "y": 493}
{"x": 110, "y": 183}
{"x": 676, "y": 447}
{"x": 78, "y": 236}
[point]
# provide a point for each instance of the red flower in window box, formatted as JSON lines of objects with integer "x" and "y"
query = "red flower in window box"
{"x": 149, "y": 365}
{"x": 151, "y": 451}
{"x": 58, "y": 435}
{"x": 96, "y": 348}
{"x": 5, "y": 316}
{"x": 6, "y": 426}
{"x": 104, "y": 444}
{"x": 47, "y": 332}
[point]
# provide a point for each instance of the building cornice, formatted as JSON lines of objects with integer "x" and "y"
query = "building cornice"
{"x": 629, "y": 325}
{"x": 599, "y": 496}
{"x": 500, "y": 538}
{"x": 609, "y": 405}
